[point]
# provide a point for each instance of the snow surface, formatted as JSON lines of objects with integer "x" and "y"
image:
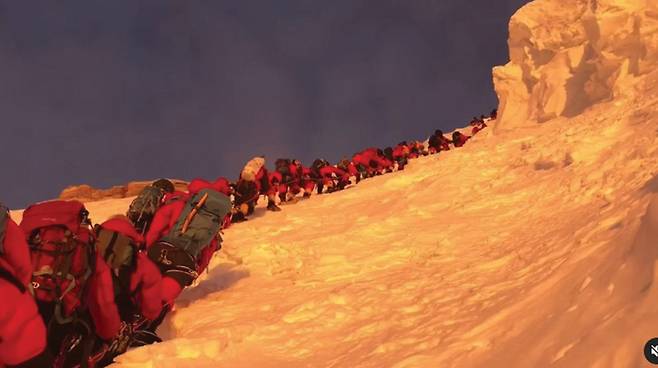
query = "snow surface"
{"x": 529, "y": 248}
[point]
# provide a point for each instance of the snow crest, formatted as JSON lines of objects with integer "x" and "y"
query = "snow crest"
{"x": 566, "y": 55}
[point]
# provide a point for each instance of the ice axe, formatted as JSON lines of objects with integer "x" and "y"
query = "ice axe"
{"x": 193, "y": 213}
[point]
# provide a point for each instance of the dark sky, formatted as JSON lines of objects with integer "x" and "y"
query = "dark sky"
{"x": 105, "y": 92}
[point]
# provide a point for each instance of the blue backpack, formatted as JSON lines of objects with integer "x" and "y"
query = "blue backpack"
{"x": 200, "y": 221}
{"x": 143, "y": 207}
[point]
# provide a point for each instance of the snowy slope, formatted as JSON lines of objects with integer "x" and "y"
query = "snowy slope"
{"x": 522, "y": 249}
{"x": 533, "y": 247}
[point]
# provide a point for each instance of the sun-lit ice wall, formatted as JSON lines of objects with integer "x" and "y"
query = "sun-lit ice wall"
{"x": 566, "y": 55}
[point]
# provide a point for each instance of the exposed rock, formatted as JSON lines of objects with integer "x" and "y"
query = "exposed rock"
{"x": 566, "y": 55}
{"x": 86, "y": 193}
{"x": 77, "y": 192}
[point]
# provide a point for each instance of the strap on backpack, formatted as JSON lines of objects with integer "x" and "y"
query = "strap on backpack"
{"x": 9, "y": 277}
{"x": 67, "y": 254}
{"x": 110, "y": 247}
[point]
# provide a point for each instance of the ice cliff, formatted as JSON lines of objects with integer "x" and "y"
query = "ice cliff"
{"x": 566, "y": 55}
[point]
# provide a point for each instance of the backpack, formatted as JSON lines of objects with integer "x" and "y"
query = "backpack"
{"x": 62, "y": 252}
{"x": 388, "y": 153}
{"x": 117, "y": 250}
{"x": 282, "y": 163}
{"x": 120, "y": 253}
{"x": 199, "y": 222}
{"x": 251, "y": 169}
{"x": 433, "y": 141}
{"x": 317, "y": 165}
{"x": 143, "y": 207}
{"x": 4, "y": 216}
{"x": 283, "y": 167}
{"x": 245, "y": 191}
{"x": 264, "y": 184}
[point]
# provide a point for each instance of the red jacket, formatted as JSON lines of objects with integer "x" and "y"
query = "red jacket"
{"x": 307, "y": 182}
{"x": 146, "y": 277}
{"x": 326, "y": 174}
{"x": 400, "y": 152}
{"x": 22, "y": 332}
{"x": 295, "y": 173}
{"x": 362, "y": 159}
{"x": 351, "y": 168}
{"x": 293, "y": 180}
{"x": 164, "y": 220}
{"x": 416, "y": 149}
{"x": 478, "y": 127}
{"x": 376, "y": 155}
{"x": 221, "y": 185}
{"x": 382, "y": 163}
{"x": 386, "y": 163}
{"x": 327, "y": 171}
{"x": 341, "y": 174}
{"x": 275, "y": 178}
{"x": 175, "y": 196}
{"x": 149, "y": 298}
{"x": 262, "y": 180}
{"x": 275, "y": 183}
{"x": 306, "y": 172}
{"x": 100, "y": 300}
{"x": 462, "y": 140}
{"x": 16, "y": 256}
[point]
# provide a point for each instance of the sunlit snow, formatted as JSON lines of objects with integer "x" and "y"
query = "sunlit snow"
{"x": 520, "y": 249}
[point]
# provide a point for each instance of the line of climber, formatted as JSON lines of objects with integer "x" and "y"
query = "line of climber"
{"x": 77, "y": 294}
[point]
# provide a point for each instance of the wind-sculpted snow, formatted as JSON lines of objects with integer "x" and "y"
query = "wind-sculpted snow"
{"x": 528, "y": 248}
{"x": 566, "y": 55}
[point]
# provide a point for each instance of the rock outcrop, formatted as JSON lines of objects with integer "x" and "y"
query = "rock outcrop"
{"x": 566, "y": 55}
{"x": 87, "y": 193}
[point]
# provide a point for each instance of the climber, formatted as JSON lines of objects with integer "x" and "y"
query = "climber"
{"x": 459, "y": 139}
{"x": 22, "y": 331}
